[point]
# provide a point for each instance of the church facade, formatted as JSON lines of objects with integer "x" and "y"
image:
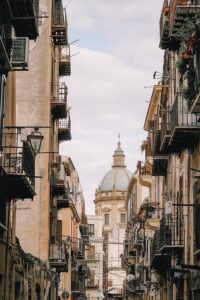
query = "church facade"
{"x": 110, "y": 204}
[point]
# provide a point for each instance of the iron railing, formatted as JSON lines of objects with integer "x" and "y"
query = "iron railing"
{"x": 58, "y": 185}
{"x": 19, "y": 53}
{"x": 64, "y": 124}
{"x": 58, "y": 257}
{"x": 155, "y": 246}
{"x": 164, "y": 18}
{"x": 59, "y": 24}
{"x": 14, "y": 51}
{"x": 180, "y": 114}
{"x": 171, "y": 232}
{"x": 165, "y": 124}
{"x": 65, "y": 61}
{"x": 17, "y": 156}
{"x": 58, "y": 17}
{"x": 25, "y": 17}
{"x": 60, "y": 92}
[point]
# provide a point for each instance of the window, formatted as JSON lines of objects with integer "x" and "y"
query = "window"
{"x": 59, "y": 232}
{"x": 91, "y": 279}
{"x": 106, "y": 219}
{"x": 91, "y": 252}
{"x": 110, "y": 284}
{"x": 91, "y": 229}
{"x": 123, "y": 218}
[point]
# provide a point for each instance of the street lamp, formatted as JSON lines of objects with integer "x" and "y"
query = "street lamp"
{"x": 35, "y": 140}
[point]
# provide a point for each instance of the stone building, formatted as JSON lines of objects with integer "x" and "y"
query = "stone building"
{"x": 33, "y": 109}
{"x": 95, "y": 257}
{"x": 109, "y": 203}
{"x": 172, "y": 122}
{"x": 19, "y": 28}
{"x": 73, "y": 232}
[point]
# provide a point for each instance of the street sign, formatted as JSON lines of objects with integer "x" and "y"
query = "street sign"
{"x": 65, "y": 295}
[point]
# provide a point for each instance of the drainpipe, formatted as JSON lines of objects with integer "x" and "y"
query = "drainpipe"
{"x": 2, "y": 97}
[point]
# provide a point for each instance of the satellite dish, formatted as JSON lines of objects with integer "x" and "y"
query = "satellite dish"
{"x": 130, "y": 277}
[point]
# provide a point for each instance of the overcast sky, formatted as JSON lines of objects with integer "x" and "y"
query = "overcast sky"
{"x": 112, "y": 62}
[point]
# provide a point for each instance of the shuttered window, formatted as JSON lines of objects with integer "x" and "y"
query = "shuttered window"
{"x": 59, "y": 231}
{"x": 91, "y": 252}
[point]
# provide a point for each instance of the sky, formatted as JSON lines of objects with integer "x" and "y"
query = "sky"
{"x": 111, "y": 82}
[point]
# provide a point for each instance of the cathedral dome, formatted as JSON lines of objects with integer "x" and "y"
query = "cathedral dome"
{"x": 118, "y": 177}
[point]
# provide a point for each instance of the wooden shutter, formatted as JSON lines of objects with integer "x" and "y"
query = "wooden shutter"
{"x": 59, "y": 231}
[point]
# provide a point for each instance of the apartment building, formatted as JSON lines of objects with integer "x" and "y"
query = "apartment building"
{"x": 72, "y": 229}
{"x": 34, "y": 116}
{"x": 95, "y": 258}
{"x": 172, "y": 123}
{"x": 19, "y": 26}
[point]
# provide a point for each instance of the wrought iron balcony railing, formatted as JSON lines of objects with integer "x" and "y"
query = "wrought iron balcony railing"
{"x": 62, "y": 201}
{"x": 185, "y": 126}
{"x": 64, "y": 129}
{"x": 18, "y": 162}
{"x": 13, "y": 52}
{"x": 84, "y": 230}
{"x": 58, "y": 257}
{"x": 164, "y": 26}
{"x": 179, "y": 10}
{"x": 165, "y": 129}
{"x": 59, "y": 24}
{"x": 159, "y": 261}
{"x": 59, "y": 101}
{"x": 25, "y": 16}
{"x": 160, "y": 158}
{"x": 58, "y": 185}
{"x": 171, "y": 234}
{"x": 65, "y": 62}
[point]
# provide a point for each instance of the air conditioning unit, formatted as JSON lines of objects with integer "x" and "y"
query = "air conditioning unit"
{"x": 19, "y": 53}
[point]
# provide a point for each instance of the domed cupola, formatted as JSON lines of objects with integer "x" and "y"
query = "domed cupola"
{"x": 118, "y": 177}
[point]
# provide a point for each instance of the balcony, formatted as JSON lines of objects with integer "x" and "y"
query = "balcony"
{"x": 159, "y": 261}
{"x": 59, "y": 24}
{"x": 58, "y": 257}
{"x": 64, "y": 129}
{"x": 13, "y": 53}
{"x": 62, "y": 201}
{"x": 160, "y": 158}
{"x": 184, "y": 126}
{"x": 193, "y": 90}
{"x": 80, "y": 254}
{"x": 59, "y": 101}
{"x": 84, "y": 230}
{"x": 58, "y": 181}
{"x": 19, "y": 54}
{"x": 138, "y": 241}
{"x": 65, "y": 62}
{"x": 165, "y": 130}
{"x": 180, "y": 11}
{"x": 164, "y": 27}
{"x": 171, "y": 235}
{"x": 25, "y": 15}
{"x": 18, "y": 162}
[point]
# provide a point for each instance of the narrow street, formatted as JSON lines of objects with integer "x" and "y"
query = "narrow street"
{"x": 99, "y": 150}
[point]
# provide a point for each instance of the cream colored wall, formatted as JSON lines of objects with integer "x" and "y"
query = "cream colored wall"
{"x": 33, "y": 108}
{"x": 113, "y": 203}
{"x": 97, "y": 241}
{"x": 66, "y": 216}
